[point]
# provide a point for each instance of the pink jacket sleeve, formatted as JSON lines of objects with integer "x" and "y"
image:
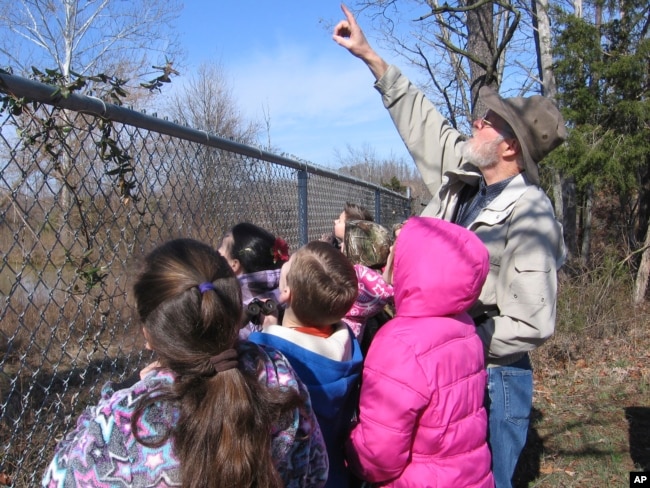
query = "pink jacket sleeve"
{"x": 394, "y": 391}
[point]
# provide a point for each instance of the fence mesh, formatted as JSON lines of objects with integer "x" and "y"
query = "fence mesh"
{"x": 74, "y": 219}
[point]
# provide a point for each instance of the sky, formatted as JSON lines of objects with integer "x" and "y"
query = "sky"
{"x": 279, "y": 58}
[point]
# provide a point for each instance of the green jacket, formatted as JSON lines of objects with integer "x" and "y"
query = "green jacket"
{"x": 515, "y": 312}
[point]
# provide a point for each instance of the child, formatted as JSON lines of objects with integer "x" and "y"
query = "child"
{"x": 367, "y": 245}
{"x": 421, "y": 416}
{"x": 212, "y": 411}
{"x": 256, "y": 256}
{"x": 351, "y": 211}
{"x": 319, "y": 285}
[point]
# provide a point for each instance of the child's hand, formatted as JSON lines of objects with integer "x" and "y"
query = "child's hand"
{"x": 388, "y": 269}
{"x": 271, "y": 319}
{"x": 148, "y": 369}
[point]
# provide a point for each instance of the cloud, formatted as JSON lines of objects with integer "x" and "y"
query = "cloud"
{"x": 316, "y": 103}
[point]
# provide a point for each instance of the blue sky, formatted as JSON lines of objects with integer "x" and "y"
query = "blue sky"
{"x": 280, "y": 57}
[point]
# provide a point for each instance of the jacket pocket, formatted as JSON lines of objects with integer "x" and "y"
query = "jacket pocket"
{"x": 531, "y": 283}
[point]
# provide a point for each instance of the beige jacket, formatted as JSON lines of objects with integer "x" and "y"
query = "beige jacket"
{"x": 515, "y": 312}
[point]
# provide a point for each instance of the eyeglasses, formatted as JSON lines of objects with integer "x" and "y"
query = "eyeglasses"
{"x": 485, "y": 122}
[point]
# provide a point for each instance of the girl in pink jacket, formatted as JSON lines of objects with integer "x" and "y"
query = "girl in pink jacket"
{"x": 421, "y": 416}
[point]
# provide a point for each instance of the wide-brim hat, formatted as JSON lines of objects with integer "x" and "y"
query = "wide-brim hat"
{"x": 536, "y": 122}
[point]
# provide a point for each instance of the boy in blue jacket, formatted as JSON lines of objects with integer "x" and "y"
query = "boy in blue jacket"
{"x": 319, "y": 285}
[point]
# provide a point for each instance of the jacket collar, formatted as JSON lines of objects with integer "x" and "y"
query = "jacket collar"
{"x": 502, "y": 205}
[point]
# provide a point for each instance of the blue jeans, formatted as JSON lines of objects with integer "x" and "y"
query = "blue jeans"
{"x": 509, "y": 401}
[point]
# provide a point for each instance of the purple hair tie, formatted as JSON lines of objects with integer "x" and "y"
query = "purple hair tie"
{"x": 203, "y": 287}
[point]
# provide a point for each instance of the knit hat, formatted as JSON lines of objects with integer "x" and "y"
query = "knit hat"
{"x": 367, "y": 243}
{"x": 536, "y": 122}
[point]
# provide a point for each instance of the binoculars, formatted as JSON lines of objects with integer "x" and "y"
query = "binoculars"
{"x": 256, "y": 308}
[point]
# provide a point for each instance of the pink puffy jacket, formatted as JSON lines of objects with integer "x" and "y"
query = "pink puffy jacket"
{"x": 422, "y": 421}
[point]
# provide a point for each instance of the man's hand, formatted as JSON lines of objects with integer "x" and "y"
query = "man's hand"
{"x": 348, "y": 34}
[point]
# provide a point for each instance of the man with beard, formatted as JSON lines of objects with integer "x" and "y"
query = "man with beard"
{"x": 490, "y": 185}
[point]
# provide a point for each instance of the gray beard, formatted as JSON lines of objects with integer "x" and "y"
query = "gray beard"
{"x": 482, "y": 156}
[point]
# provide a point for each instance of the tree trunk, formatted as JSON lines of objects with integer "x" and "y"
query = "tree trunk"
{"x": 557, "y": 194}
{"x": 577, "y": 7}
{"x": 544, "y": 48}
{"x": 641, "y": 283}
{"x": 563, "y": 189}
{"x": 565, "y": 209}
{"x": 480, "y": 28}
{"x": 570, "y": 215}
{"x": 586, "y": 227}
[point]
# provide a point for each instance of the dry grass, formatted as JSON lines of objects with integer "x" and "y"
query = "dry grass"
{"x": 591, "y": 409}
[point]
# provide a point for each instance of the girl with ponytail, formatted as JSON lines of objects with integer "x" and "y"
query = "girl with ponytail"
{"x": 213, "y": 411}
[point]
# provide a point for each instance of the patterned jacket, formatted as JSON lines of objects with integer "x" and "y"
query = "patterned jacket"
{"x": 103, "y": 452}
{"x": 374, "y": 294}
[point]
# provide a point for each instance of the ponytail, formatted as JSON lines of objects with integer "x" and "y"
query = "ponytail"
{"x": 190, "y": 303}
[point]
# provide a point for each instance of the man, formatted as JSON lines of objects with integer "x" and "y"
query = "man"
{"x": 489, "y": 184}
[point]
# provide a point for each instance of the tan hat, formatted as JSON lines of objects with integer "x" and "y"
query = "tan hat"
{"x": 536, "y": 122}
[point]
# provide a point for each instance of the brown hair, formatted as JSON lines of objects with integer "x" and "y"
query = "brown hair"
{"x": 323, "y": 284}
{"x": 353, "y": 211}
{"x": 223, "y": 435}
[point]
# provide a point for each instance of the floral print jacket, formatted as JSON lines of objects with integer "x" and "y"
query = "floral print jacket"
{"x": 103, "y": 452}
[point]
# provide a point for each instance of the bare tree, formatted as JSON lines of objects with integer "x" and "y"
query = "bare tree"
{"x": 363, "y": 163}
{"x": 459, "y": 46}
{"x": 563, "y": 187}
{"x": 205, "y": 102}
{"x": 88, "y": 36}
{"x": 66, "y": 43}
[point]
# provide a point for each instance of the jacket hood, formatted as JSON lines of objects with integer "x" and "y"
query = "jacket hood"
{"x": 330, "y": 382}
{"x": 439, "y": 268}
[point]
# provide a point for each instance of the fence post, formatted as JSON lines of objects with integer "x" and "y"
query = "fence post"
{"x": 302, "y": 207}
{"x": 377, "y": 206}
{"x": 407, "y": 207}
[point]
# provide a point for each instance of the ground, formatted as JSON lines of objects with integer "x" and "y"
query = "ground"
{"x": 591, "y": 413}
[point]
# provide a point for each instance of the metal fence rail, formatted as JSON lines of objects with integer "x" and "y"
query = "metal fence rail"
{"x": 74, "y": 218}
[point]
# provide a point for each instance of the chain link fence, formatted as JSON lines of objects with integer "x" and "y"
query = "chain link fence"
{"x": 86, "y": 188}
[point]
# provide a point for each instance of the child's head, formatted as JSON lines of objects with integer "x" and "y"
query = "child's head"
{"x": 189, "y": 302}
{"x": 436, "y": 258}
{"x": 319, "y": 283}
{"x": 351, "y": 211}
{"x": 249, "y": 248}
{"x": 366, "y": 243}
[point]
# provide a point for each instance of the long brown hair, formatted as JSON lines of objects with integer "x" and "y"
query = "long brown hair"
{"x": 223, "y": 435}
